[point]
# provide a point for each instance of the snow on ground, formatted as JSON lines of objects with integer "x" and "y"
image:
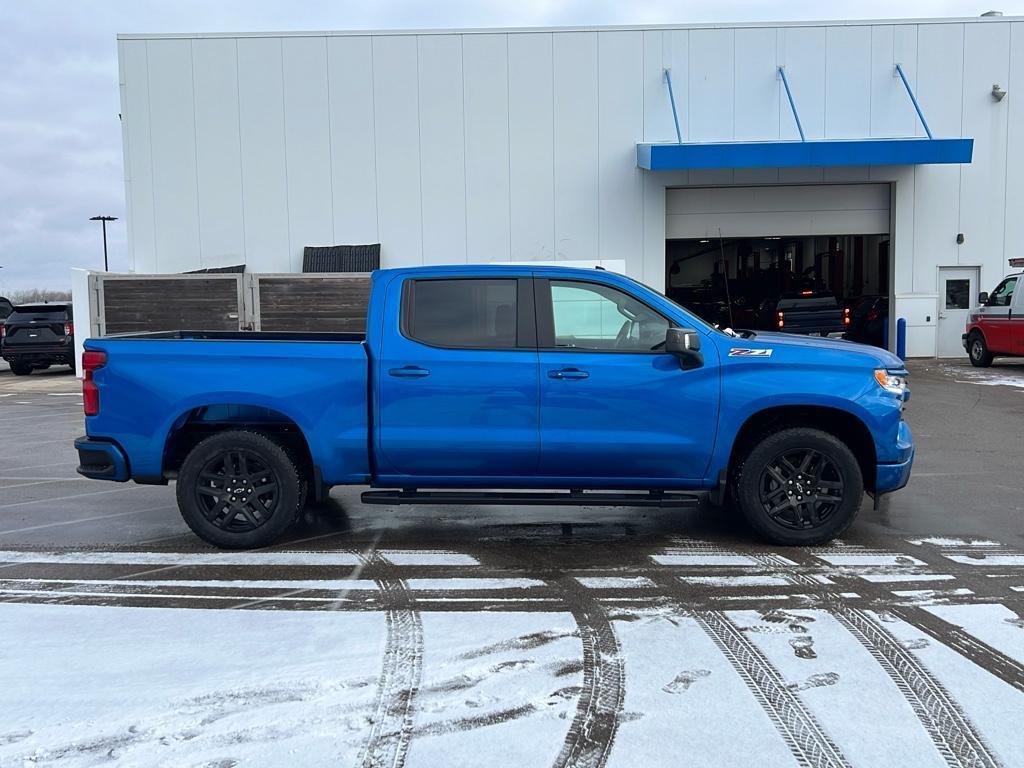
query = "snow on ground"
{"x": 700, "y": 656}
{"x": 154, "y": 686}
{"x": 997, "y": 376}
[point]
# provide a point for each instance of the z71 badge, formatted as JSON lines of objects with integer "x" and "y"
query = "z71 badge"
{"x": 741, "y": 352}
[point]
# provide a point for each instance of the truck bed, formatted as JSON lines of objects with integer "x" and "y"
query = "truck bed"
{"x": 153, "y": 383}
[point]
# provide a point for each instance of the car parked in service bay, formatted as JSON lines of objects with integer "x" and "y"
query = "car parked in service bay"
{"x": 996, "y": 327}
{"x": 36, "y": 336}
{"x": 583, "y": 383}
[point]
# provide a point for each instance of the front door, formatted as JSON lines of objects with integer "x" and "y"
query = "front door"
{"x": 995, "y": 318}
{"x": 457, "y": 381}
{"x": 613, "y": 404}
{"x": 958, "y": 292}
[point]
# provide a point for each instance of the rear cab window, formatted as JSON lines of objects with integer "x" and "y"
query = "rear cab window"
{"x": 469, "y": 313}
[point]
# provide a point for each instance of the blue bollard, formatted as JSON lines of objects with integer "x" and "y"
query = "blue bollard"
{"x": 901, "y": 338}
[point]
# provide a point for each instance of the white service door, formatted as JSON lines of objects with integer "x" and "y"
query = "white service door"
{"x": 958, "y": 292}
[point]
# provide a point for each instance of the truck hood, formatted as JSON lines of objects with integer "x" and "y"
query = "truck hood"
{"x": 877, "y": 358}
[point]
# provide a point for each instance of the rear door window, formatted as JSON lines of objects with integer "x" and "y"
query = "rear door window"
{"x": 465, "y": 313}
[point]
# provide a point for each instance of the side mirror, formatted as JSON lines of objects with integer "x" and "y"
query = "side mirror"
{"x": 983, "y": 297}
{"x": 684, "y": 343}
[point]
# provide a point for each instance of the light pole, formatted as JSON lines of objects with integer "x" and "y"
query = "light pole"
{"x": 104, "y": 219}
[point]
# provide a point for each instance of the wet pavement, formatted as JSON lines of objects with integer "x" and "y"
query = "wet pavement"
{"x": 424, "y": 636}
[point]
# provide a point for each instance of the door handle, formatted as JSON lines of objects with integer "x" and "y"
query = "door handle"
{"x": 409, "y": 372}
{"x": 568, "y": 373}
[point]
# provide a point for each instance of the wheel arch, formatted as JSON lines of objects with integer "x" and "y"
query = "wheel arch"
{"x": 843, "y": 425}
{"x": 199, "y": 422}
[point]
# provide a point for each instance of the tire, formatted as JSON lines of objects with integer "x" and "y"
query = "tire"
{"x": 977, "y": 351}
{"x": 249, "y": 518}
{"x": 21, "y": 369}
{"x": 762, "y": 479}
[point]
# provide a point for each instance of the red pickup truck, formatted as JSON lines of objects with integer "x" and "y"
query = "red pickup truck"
{"x": 996, "y": 328}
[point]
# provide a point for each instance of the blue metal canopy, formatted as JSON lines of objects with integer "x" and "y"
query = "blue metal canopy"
{"x": 788, "y": 154}
{"x": 803, "y": 153}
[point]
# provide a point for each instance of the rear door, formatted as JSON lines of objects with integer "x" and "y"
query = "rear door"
{"x": 37, "y": 325}
{"x": 457, "y": 379}
{"x": 613, "y": 403}
{"x": 1017, "y": 319}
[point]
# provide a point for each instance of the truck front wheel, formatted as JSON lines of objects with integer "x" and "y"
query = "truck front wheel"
{"x": 799, "y": 486}
{"x": 239, "y": 490}
{"x": 977, "y": 350}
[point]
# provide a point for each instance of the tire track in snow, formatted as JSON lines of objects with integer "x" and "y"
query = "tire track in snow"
{"x": 391, "y": 727}
{"x": 591, "y": 734}
{"x": 994, "y": 661}
{"x": 951, "y": 731}
{"x": 810, "y": 745}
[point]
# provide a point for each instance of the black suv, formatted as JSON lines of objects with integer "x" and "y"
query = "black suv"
{"x": 38, "y": 336}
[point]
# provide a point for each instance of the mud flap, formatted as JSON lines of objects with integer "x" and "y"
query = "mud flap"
{"x": 718, "y": 496}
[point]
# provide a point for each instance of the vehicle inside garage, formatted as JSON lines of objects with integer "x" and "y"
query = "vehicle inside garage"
{"x": 804, "y": 258}
{"x": 740, "y": 282}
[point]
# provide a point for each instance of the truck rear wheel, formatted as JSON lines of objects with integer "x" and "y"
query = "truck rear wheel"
{"x": 977, "y": 350}
{"x": 239, "y": 490}
{"x": 799, "y": 486}
{"x": 21, "y": 369}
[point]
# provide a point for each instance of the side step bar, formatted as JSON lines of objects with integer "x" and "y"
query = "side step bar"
{"x": 526, "y": 498}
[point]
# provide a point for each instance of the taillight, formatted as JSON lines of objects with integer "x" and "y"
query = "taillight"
{"x": 782, "y": 317}
{"x": 846, "y": 316}
{"x": 3, "y": 330}
{"x": 92, "y": 360}
{"x": 69, "y": 329}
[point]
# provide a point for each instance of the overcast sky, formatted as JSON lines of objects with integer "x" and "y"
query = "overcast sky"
{"x": 60, "y": 140}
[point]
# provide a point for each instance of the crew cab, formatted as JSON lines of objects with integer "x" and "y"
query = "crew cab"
{"x": 808, "y": 312}
{"x": 558, "y": 385}
{"x": 996, "y": 328}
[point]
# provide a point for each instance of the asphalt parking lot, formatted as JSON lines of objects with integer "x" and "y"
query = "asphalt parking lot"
{"x": 517, "y": 636}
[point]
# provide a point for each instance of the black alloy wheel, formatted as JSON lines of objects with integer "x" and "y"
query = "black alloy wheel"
{"x": 801, "y": 489}
{"x": 798, "y": 486}
{"x": 238, "y": 491}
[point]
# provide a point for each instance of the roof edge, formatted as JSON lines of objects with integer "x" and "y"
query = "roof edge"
{"x": 592, "y": 28}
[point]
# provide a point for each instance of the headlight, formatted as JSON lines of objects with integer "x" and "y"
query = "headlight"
{"x": 891, "y": 382}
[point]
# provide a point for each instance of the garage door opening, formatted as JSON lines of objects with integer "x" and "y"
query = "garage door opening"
{"x": 799, "y": 259}
{"x": 758, "y": 277}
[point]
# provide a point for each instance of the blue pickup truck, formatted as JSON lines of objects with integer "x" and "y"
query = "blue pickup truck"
{"x": 557, "y": 385}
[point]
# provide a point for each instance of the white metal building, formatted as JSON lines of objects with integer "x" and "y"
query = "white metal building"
{"x": 560, "y": 145}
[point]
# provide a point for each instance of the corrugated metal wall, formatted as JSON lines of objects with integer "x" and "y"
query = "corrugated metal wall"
{"x": 452, "y": 147}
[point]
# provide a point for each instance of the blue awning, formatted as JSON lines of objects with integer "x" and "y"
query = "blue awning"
{"x": 811, "y": 153}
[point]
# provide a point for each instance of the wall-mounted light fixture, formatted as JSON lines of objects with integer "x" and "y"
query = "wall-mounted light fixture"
{"x": 959, "y": 238}
{"x": 997, "y": 92}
